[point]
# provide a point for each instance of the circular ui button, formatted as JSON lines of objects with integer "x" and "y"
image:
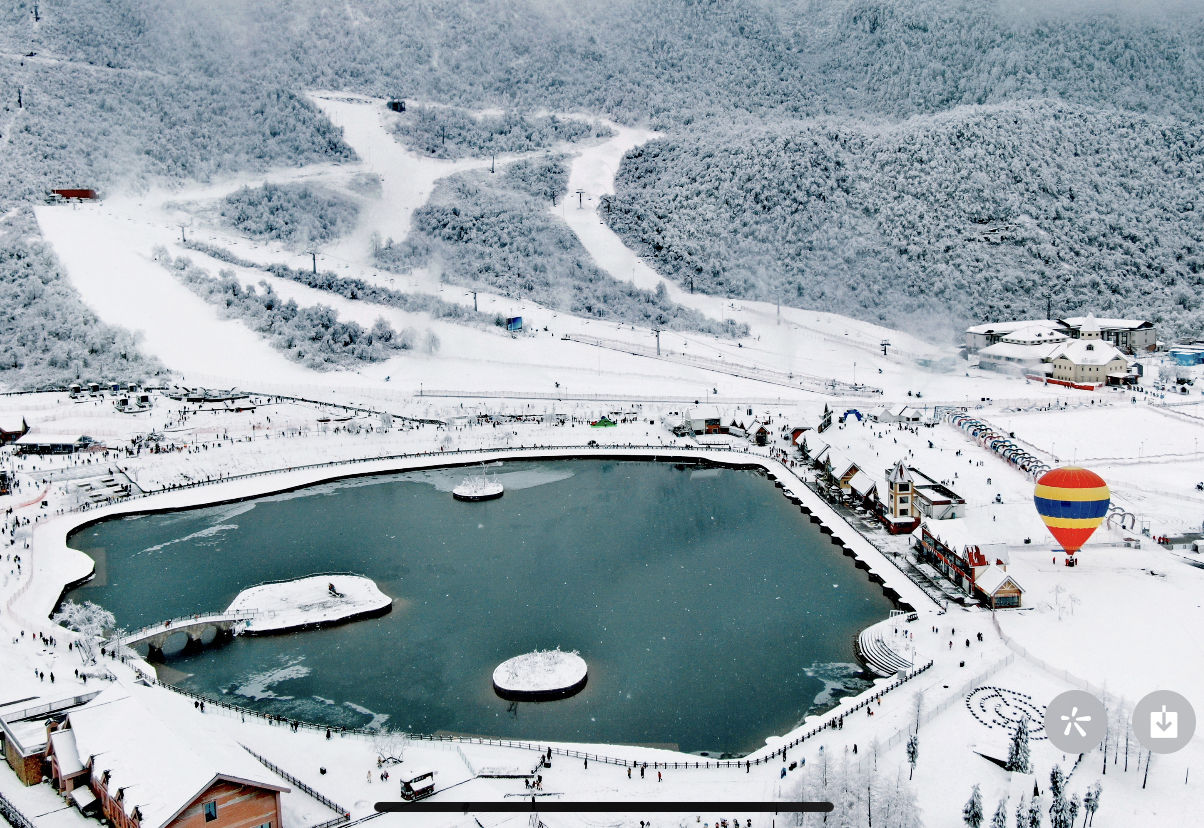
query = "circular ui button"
{"x": 1075, "y": 721}
{"x": 1164, "y": 721}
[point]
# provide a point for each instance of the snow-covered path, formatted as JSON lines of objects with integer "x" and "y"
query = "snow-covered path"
{"x": 109, "y": 261}
{"x": 407, "y": 179}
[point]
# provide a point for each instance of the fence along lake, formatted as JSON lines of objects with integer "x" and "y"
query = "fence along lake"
{"x": 711, "y": 612}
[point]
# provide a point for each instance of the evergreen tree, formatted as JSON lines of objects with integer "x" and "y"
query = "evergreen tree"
{"x": 913, "y": 752}
{"x": 1019, "y": 755}
{"x": 972, "y": 811}
{"x": 1034, "y": 813}
{"x": 1000, "y": 820}
{"x": 1091, "y": 801}
{"x": 1021, "y": 812}
{"x": 1057, "y": 787}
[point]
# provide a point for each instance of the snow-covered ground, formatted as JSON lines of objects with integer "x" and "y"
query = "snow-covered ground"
{"x": 1121, "y": 622}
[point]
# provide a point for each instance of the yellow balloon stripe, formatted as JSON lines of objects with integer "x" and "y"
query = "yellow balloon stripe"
{"x": 1061, "y": 493}
{"x": 1072, "y": 523}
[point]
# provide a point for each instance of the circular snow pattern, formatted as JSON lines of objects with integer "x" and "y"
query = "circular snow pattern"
{"x": 1000, "y": 707}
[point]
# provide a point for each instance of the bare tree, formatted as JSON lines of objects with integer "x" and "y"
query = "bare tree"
{"x": 90, "y": 621}
{"x": 390, "y": 746}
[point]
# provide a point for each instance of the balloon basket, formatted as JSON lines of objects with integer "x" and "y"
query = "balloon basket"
{"x": 1072, "y": 560}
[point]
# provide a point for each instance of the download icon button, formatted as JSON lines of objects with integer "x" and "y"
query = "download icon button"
{"x": 1164, "y": 721}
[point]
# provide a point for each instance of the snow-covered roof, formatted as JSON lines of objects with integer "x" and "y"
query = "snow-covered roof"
{"x": 1103, "y": 323}
{"x": 1087, "y": 352}
{"x": 12, "y": 423}
{"x": 840, "y": 463}
{"x": 82, "y": 796}
{"x": 1007, "y": 327}
{"x": 1015, "y": 352}
{"x": 862, "y": 483}
{"x": 899, "y": 474}
{"x": 954, "y": 533}
{"x": 63, "y": 742}
{"x": 162, "y": 767}
{"x": 992, "y": 578}
{"x": 1036, "y": 334}
{"x": 37, "y": 438}
{"x": 704, "y": 412}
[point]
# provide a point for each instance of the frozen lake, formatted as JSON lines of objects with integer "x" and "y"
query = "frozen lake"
{"x": 711, "y": 611}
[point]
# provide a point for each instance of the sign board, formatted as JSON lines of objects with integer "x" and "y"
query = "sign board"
{"x": 514, "y": 323}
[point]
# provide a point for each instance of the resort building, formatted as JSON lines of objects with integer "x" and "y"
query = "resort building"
{"x": 979, "y": 570}
{"x": 23, "y": 731}
{"x": 898, "y": 512}
{"x": 896, "y": 414}
{"x": 11, "y": 428}
{"x": 1077, "y": 357}
{"x": 1090, "y": 362}
{"x": 115, "y": 754}
{"x": 934, "y": 500}
{"x": 1128, "y": 335}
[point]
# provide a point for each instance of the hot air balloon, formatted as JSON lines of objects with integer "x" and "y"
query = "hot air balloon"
{"x": 1072, "y": 501}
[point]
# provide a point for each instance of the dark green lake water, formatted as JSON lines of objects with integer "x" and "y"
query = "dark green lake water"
{"x": 711, "y": 611}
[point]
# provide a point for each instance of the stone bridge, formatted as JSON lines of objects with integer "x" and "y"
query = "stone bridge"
{"x": 224, "y": 626}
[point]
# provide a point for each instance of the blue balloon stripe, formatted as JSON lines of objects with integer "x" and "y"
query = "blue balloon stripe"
{"x": 1079, "y": 509}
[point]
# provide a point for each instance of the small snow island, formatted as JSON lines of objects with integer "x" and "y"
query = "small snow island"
{"x": 541, "y": 675}
{"x": 476, "y": 488}
{"x": 306, "y": 603}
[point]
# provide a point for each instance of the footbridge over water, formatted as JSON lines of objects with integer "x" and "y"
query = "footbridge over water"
{"x": 195, "y": 629}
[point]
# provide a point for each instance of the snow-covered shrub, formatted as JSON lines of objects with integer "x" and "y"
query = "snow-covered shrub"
{"x": 485, "y": 234}
{"x": 310, "y": 334}
{"x": 289, "y": 212}
{"x": 449, "y": 132}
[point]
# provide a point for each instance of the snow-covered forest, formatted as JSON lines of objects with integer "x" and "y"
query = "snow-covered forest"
{"x": 118, "y": 94}
{"x": 482, "y": 230}
{"x": 289, "y": 212}
{"x": 975, "y": 214}
{"x": 451, "y": 132}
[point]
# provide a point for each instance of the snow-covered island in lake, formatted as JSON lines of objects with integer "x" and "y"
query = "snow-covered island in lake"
{"x": 542, "y": 674}
{"x": 480, "y": 487}
{"x": 316, "y": 601}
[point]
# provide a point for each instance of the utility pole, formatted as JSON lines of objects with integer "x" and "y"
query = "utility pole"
{"x": 492, "y": 159}
{"x": 657, "y": 331}
{"x": 183, "y": 240}
{"x": 443, "y": 134}
{"x": 474, "y": 300}
{"x": 314, "y": 256}
{"x": 1049, "y": 306}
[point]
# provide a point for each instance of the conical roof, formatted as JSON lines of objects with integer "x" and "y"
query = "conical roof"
{"x": 899, "y": 474}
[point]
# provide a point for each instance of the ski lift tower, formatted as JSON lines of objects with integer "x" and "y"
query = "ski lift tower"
{"x": 580, "y": 195}
{"x": 884, "y": 344}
